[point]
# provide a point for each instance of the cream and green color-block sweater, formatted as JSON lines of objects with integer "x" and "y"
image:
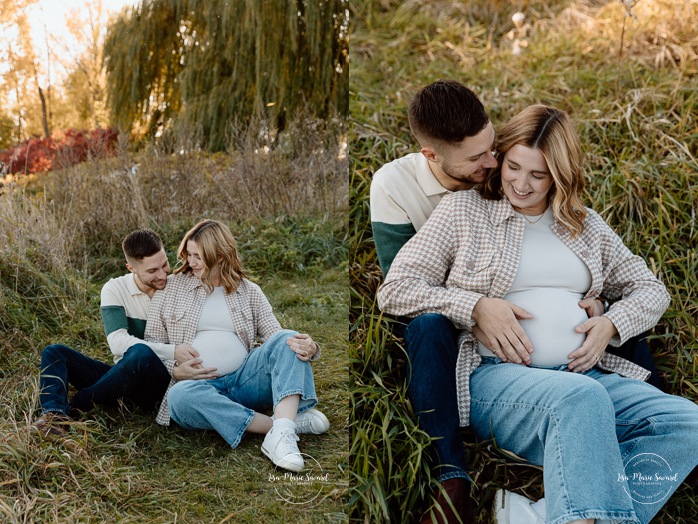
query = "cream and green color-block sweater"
{"x": 124, "y": 310}
{"x": 404, "y": 192}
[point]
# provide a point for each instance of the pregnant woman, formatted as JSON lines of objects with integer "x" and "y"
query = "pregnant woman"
{"x": 232, "y": 379}
{"x": 516, "y": 263}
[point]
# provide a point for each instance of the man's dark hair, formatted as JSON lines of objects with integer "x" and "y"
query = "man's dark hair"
{"x": 446, "y": 111}
{"x": 140, "y": 244}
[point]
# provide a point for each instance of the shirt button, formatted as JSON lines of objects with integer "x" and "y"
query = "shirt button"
{"x": 470, "y": 264}
{"x": 585, "y": 253}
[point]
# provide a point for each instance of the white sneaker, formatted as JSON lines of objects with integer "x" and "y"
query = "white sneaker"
{"x": 281, "y": 448}
{"x": 510, "y": 508}
{"x": 312, "y": 421}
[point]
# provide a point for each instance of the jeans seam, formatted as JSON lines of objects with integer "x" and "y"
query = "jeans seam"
{"x": 617, "y": 517}
{"x": 241, "y": 433}
{"x": 300, "y": 392}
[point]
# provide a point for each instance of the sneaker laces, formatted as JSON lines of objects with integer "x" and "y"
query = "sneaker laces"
{"x": 304, "y": 423}
{"x": 286, "y": 444}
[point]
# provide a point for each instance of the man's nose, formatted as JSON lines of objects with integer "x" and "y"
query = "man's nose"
{"x": 490, "y": 161}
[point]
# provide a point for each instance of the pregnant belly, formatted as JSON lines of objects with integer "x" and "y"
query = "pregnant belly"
{"x": 551, "y": 330}
{"x": 222, "y": 350}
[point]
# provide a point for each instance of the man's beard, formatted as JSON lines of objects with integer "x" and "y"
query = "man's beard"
{"x": 473, "y": 178}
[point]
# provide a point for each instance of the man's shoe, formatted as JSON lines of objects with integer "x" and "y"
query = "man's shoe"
{"x": 52, "y": 424}
{"x": 312, "y": 421}
{"x": 281, "y": 448}
{"x": 452, "y": 504}
{"x": 510, "y": 508}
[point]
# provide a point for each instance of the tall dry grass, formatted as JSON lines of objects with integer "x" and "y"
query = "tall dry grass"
{"x": 60, "y": 241}
{"x": 300, "y": 173}
{"x": 627, "y": 77}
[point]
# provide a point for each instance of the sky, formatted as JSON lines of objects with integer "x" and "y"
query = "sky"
{"x": 50, "y": 15}
{"x": 47, "y": 19}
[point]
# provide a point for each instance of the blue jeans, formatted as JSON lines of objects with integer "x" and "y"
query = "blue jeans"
{"x": 589, "y": 431}
{"x": 637, "y": 350}
{"x": 227, "y": 404}
{"x": 432, "y": 347}
{"x": 139, "y": 378}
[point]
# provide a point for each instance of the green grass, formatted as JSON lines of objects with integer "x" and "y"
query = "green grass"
{"x": 637, "y": 114}
{"x": 122, "y": 467}
{"x": 61, "y": 241}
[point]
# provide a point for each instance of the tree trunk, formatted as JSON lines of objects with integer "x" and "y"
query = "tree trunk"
{"x": 44, "y": 113}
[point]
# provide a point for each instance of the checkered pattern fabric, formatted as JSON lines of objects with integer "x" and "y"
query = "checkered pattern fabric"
{"x": 174, "y": 314}
{"x": 470, "y": 248}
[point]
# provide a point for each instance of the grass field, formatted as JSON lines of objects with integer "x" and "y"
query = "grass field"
{"x": 627, "y": 76}
{"x": 61, "y": 241}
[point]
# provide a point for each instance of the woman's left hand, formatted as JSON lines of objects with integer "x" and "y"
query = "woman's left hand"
{"x": 594, "y": 307}
{"x": 304, "y": 346}
{"x": 599, "y": 331}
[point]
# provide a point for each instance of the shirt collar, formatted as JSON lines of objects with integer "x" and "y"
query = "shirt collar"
{"x": 193, "y": 282}
{"x": 500, "y": 210}
{"x": 131, "y": 285}
{"x": 427, "y": 181}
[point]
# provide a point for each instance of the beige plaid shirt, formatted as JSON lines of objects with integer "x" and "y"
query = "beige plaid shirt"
{"x": 470, "y": 248}
{"x": 174, "y": 314}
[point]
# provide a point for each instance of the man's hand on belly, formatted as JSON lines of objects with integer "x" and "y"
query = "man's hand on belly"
{"x": 599, "y": 331}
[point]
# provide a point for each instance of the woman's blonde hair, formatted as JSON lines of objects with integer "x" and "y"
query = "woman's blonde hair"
{"x": 216, "y": 246}
{"x": 552, "y": 132}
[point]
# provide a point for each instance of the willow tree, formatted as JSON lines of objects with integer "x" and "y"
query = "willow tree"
{"x": 208, "y": 63}
{"x": 143, "y": 58}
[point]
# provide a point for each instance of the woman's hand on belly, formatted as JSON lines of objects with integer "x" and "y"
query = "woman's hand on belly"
{"x": 599, "y": 331}
{"x": 594, "y": 307}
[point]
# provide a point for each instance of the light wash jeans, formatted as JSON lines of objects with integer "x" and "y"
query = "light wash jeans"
{"x": 584, "y": 429}
{"x": 227, "y": 404}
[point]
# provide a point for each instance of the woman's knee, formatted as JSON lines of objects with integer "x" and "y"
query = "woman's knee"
{"x": 182, "y": 394}
{"x": 281, "y": 336}
{"x": 583, "y": 394}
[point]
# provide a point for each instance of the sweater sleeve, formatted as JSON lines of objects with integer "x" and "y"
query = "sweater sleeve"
{"x": 638, "y": 298}
{"x": 391, "y": 224}
{"x": 266, "y": 323}
{"x": 116, "y": 327}
{"x": 156, "y": 330}
{"x": 389, "y": 239}
{"x": 416, "y": 282}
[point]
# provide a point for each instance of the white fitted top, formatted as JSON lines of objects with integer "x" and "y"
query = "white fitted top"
{"x": 549, "y": 283}
{"x": 216, "y": 341}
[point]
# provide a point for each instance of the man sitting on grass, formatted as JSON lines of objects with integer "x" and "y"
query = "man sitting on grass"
{"x": 138, "y": 376}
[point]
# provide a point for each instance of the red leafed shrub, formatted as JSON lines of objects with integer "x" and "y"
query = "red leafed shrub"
{"x": 38, "y": 155}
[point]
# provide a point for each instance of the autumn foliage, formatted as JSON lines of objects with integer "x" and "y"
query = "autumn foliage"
{"x": 38, "y": 155}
